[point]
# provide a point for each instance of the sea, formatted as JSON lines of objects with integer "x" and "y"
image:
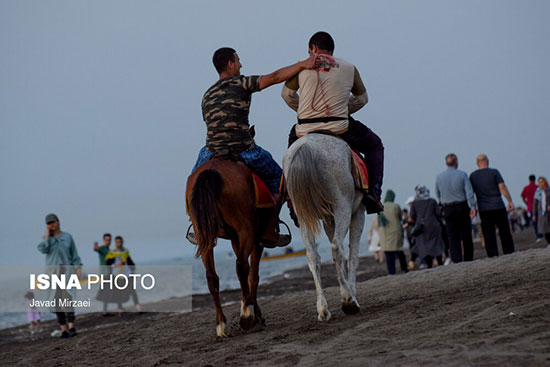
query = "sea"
{"x": 225, "y": 268}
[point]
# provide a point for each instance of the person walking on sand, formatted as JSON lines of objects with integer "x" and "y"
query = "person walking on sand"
{"x": 528, "y": 197}
{"x": 454, "y": 192}
{"x": 488, "y": 186}
{"x": 61, "y": 258}
{"x": 429, "y": 242}
{"x": 541, "y": 208}
{"x": 391, "y": 233}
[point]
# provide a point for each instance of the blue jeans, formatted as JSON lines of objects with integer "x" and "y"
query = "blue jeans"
{"x": 258, "y": 160}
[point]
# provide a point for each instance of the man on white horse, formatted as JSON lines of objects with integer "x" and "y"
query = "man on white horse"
{"x": 325, "y": 103}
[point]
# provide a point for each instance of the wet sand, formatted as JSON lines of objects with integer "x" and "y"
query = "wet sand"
{"x": 490, "y": 312}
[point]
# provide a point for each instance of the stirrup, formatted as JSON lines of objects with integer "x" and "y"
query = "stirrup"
{"x": 191, "y": 237}
{"x": 284, "y": 239}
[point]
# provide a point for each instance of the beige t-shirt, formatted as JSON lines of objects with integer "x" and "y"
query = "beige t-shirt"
{"x": 325, "y": 93}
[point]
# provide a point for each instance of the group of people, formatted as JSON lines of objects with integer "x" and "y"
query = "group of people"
{"x": 62, "y": 258}
{"x": 118, "y": 261}
{"x": 443, "y": 229}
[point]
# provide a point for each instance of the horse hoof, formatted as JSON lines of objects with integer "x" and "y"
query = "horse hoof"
{"x": 350, "y": 308}
{"x": 247, "y": 323}
{"x": 220, "y": 330}
{"x": 324, "y": 315}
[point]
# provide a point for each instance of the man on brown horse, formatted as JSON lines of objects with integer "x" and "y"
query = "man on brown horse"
{"x": 225, "y": 109}
{"x": 325, "y": 103}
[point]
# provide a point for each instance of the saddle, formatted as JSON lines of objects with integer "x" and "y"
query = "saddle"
{"x": 262, "y": 196}
{"x": 360, "y": 172}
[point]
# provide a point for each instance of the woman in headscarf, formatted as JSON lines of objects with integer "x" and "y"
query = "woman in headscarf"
{"x": 391, "y": 233}
{"x": 425, "y": 211}
{"x": 541, "y": 208}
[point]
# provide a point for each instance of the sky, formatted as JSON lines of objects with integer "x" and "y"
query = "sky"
{"x": 100, "y": 101}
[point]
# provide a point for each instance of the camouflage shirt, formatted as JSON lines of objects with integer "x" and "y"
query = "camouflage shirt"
{"x": 225, "y": 108}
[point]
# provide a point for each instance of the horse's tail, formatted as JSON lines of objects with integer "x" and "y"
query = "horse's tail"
{"x": 309, "y": 197}
{"x": 204, "y": 206}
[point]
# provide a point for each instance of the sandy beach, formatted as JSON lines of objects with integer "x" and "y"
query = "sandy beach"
{"x": 490, "y": 312}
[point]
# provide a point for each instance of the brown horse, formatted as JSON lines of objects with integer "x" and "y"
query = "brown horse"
{"x": 221, "y": 204}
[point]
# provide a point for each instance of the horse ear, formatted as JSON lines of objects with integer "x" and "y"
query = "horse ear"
{"x": 252, "y": 131}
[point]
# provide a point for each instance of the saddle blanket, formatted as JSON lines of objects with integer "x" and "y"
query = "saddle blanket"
{"x": 263, "y": 197}
{"x": 361, "y": 175}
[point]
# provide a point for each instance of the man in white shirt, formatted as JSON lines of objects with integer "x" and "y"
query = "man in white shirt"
{"x": 325, "y": 103}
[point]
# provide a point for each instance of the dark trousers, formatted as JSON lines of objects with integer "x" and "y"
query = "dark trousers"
{"x": 496, "y": 218}
{"x": 459, "y": 231}
{"x": 536, "y": 226}
{"x": 390, "y": 261}
{"x": 445, "y": 238}
{"x": 64, "y": 317}
{"x": 64, "y": 314}
{"x": 363, "y": 140}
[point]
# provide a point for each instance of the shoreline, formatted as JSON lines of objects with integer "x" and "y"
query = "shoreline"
{"x": 291, "y": 280}
{"x": 459, "y": 301}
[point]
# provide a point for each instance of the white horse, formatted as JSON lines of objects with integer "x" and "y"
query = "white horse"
{"x": 318, "y": 173}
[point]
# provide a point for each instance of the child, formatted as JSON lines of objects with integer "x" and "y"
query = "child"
{"x": 33, "y": 316}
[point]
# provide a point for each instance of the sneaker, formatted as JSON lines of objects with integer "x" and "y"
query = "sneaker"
{"x": 447, "y": 261}
{"x": 65, "y": 335}
{"x": 72, "y": 332}
{"x": 539, "y": 239}
{"x": 56, "y": 332}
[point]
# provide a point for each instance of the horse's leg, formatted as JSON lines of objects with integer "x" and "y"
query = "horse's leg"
{"x": 342, "y": 221}
{"x": 356, "y": 229}
{"x": 246, "y": 243}
{"x": 214, "y": 287}
{"x": 329, "y": 229}
{"x": 253, "y": 280}
{"x": 314, "y": 262}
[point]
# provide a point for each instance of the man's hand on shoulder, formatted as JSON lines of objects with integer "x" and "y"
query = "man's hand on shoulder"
{"x": 287, "y": 72}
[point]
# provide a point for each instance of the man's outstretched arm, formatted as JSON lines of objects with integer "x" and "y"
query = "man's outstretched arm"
{"x": 285, "y": 73}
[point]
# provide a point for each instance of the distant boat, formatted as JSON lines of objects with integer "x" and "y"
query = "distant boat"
{"x": 285, "y": 256}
